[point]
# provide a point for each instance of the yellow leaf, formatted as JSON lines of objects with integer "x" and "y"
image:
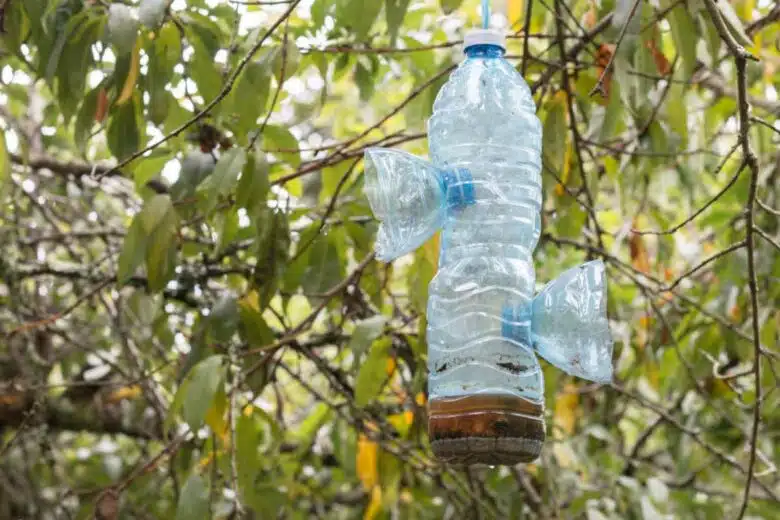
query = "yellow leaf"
{"x": 390, "y": 367}
{"x": 747, "y": 10}
{"x": 420, "y": 399}
{"x": 401, "y": 422}
{"x": 215, "y": 416}
{"x": 567, "y": 160}
{"x": 514, "y": 12}
{"x": 132, "y": 74}
{"x": 644, "y": 322}
{"x": 126, "y": 392}
{"x": 250, "y": 301}
{"x": 431, "y": 249}
{"x": 375, "y": 506}
{"x": 367, "y": 462}
{"x": 566, "y": 407}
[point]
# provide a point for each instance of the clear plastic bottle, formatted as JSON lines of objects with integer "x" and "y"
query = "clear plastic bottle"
{"x": 483, "y": 188}
{"x": 486, "y": 387}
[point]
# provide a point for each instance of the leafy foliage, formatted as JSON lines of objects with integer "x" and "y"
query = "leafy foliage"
{"x": 193, "y": 324}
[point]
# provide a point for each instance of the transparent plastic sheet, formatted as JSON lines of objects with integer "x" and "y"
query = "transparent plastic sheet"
{"x": 407, "y": 195}
{"x": 569, "y": 326}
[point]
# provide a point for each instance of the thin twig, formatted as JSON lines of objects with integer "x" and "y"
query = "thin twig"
{"x": 766, "y": 237}
{"x": 59, "y": 315}
{"x": 736, "y": 50}
{"x": 526, "y": 29}
{"x": 705, "y": 206}
{"x": 712, "y": 258}
{"x": 599, "y": 86}
{"x": 752, "y": 163}
{"x": 278, "y": 90}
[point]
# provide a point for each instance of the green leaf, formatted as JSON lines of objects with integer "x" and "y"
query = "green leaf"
{"x": 277, "y": 138}
{"x": 195, "y": 167}
{"x": 613, "y": 114}
{"x": 253, "y": 185}
{"x": 365, "y": 81}
{"x": 449, "y": 6}
{"x": 85, "y": 119}
{"x": 5, "y": 166}
{"x": 273, "y": 244}
{"x": 203, "y": 381}
{"x": 163, "y": 52}
{"x": 572, "y": 219}
{"x": 225, "y": 175}
{"x": 372, "y": 374}
{"x": 63, "y": 33}
{"x": 287, "y": 55}
{"x": 677, "y": 112}
{"x": 255, "y": 330}
{"x": 325, "y": 268}
{"x": 318, "y": 11}
{"x": 358, "y": 16}
{"x": 154, "y": 211}
{"x": 223, "y": 320}
{"x": 711, "y": 35}
{"x": 311, "y": 425}
{"x": 554, "y": 133}
{"x": 16, "y": 26}
{"x": 658, "y": 141}
{"x": 194, "y": 499}
{"x": 366, "y": 331}
{"x": 684, "y": 36}
{"x": 150, "y": 166}
{"x": 645, "y": 65}
{"x": 124, "y": 130}
{"x": 203, "y": 68}
{"x": 73, "y": 66}
{"x": 254, "y": 84}
{"x": 395, "y": 10}
{"x": 248, "y": 457}
{"x": 331, "y": 177}
{"x": 133, "y": 251}
{"x": 161, "y": 250}
{"x": 227, "y": 223}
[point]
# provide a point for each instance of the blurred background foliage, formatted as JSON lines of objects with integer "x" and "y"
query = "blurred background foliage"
{"x": 193, "y": 324}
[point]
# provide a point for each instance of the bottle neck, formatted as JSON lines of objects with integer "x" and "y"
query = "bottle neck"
{"x": 484, "y": 50}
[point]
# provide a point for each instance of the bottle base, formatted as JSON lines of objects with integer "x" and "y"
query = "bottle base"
{"x": 486, "y": 429}
{"x": 506, "y": 451}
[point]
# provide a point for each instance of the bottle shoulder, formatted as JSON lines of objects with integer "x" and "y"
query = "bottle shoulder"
{"x": 484, "y": 84}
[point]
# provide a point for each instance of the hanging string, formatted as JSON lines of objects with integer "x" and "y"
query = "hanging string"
{"x": 485, "y": 13}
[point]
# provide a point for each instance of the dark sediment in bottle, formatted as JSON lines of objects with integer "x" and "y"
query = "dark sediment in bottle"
{"x": 486, "y": 429}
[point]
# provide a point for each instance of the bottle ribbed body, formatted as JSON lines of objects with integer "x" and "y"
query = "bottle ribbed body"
{"x": 484, "y": 123}
{"x": 486, "y": 386}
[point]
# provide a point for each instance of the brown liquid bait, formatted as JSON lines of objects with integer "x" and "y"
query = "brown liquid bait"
{"x": 486, "y": 429}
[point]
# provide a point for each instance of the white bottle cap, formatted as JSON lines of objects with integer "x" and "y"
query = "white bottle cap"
{"x": 484, "y": 37}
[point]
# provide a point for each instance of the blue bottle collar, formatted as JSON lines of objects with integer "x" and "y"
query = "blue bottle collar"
{"x": 484, "y": 50}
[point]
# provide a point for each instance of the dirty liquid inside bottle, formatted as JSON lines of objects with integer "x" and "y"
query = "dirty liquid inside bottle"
{"x": 486, "y": 429}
